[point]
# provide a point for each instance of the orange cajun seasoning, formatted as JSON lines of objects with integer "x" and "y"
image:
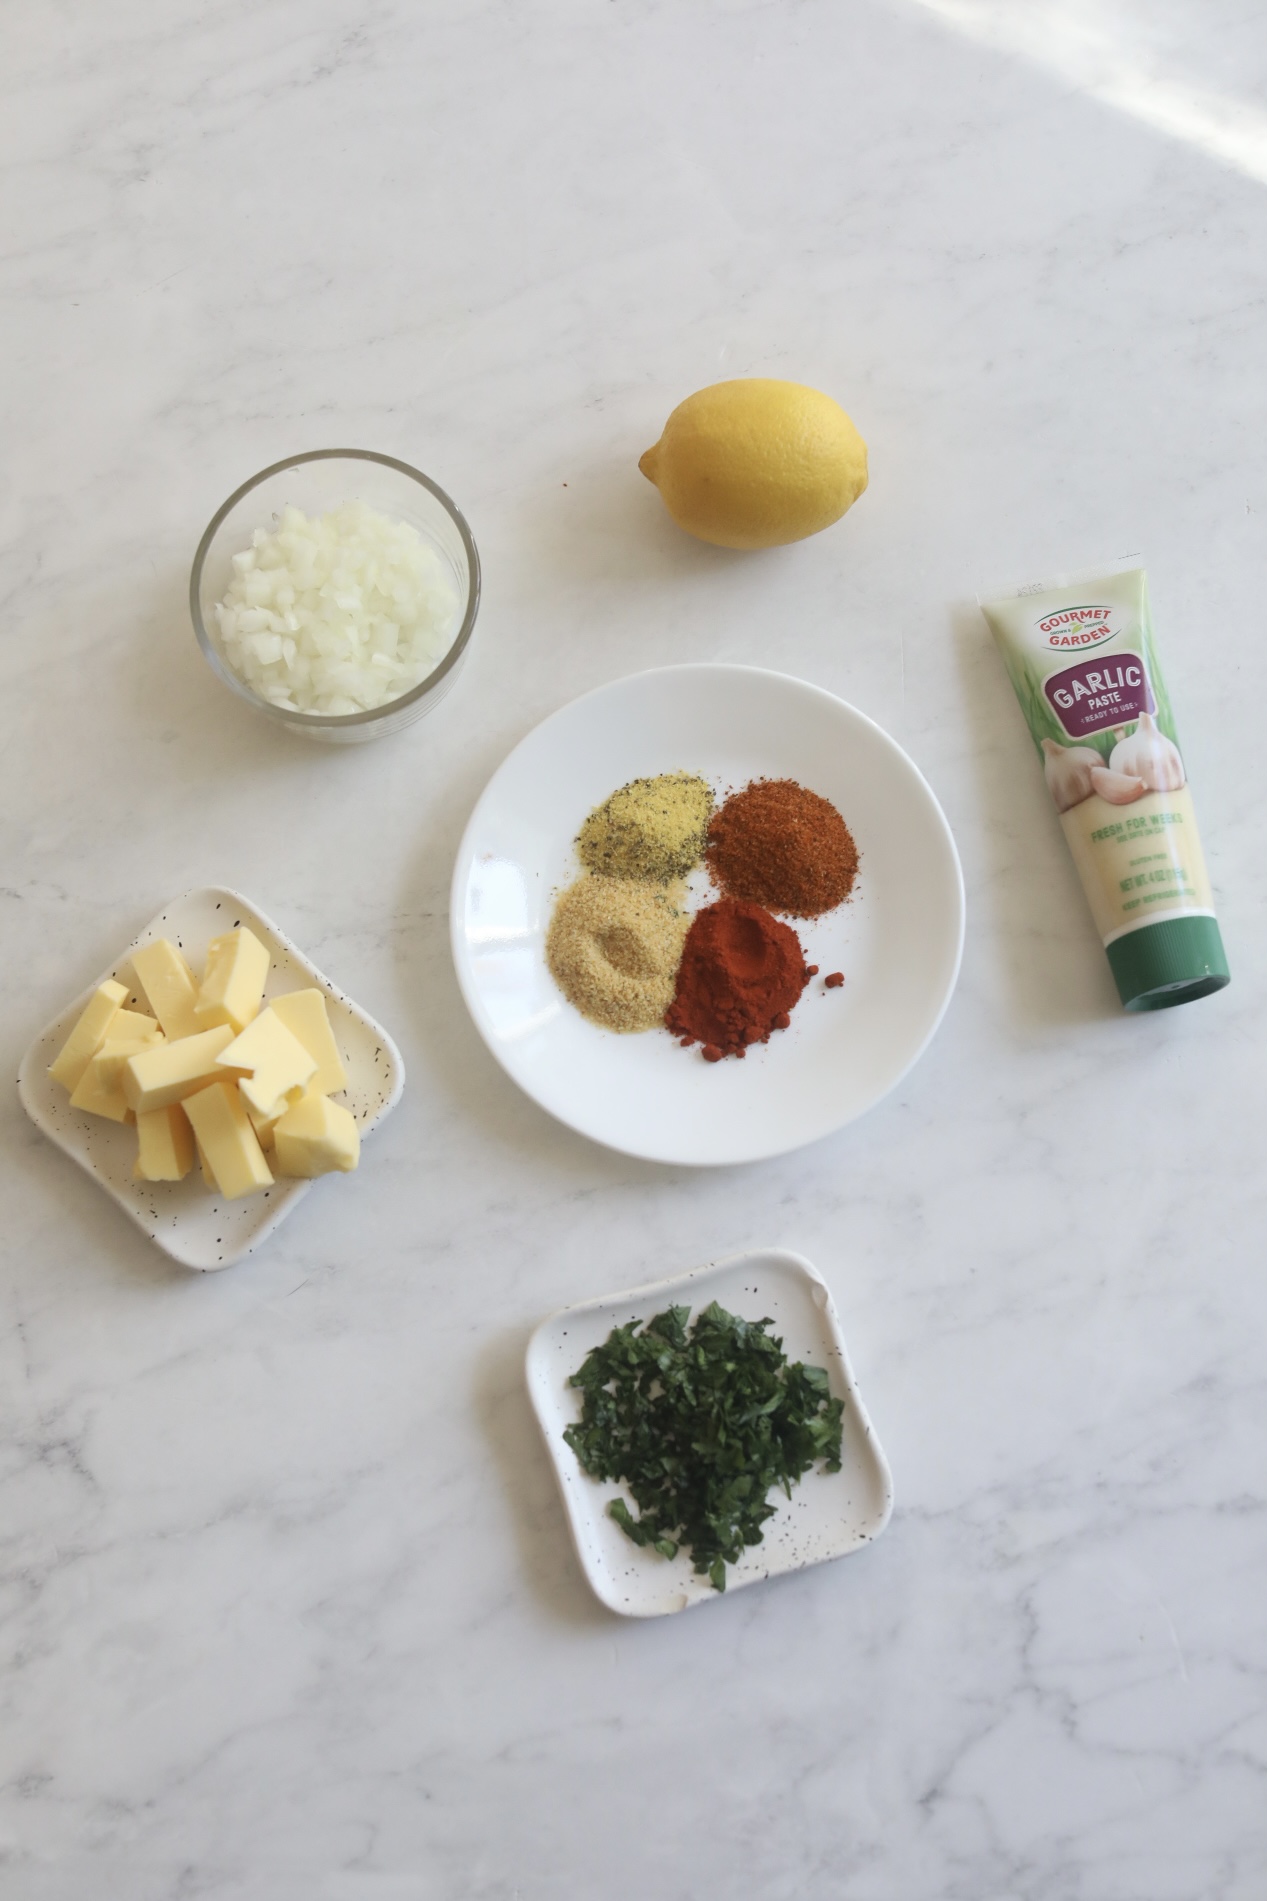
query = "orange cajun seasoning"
{"x": 778, "y": 845}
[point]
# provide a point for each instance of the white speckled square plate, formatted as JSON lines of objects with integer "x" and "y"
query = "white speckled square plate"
{"x": 827, "y": 1515}
{"x": 194, "y": 1226}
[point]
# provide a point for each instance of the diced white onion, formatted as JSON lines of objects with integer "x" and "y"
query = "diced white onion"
{"x": 337, "y": 614}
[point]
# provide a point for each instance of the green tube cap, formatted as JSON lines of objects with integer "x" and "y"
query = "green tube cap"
{"x": 1174, "y": 961}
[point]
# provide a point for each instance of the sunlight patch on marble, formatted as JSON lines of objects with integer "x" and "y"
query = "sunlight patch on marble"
{"x": 1097, "y": 56}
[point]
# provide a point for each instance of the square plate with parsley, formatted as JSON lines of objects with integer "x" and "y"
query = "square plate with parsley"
{"x": 707, "y": 1433}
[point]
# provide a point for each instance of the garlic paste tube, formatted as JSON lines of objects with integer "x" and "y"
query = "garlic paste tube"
{"x": 1081, "y": 656}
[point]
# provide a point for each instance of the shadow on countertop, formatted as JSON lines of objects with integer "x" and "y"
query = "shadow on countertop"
{"x": 540, "y": 1523}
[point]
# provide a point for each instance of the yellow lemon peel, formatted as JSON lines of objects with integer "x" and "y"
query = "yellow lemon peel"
{"x": 757, "y": 462}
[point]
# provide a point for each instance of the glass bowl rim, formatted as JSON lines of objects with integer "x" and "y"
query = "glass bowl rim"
{"x": 326, "y": 721}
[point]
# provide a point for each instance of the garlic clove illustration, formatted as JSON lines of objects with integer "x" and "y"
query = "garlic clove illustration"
{"x": 1150, "y": 756}
{"x": 1119, "y": 788}
{"x": 1068, "y": 770}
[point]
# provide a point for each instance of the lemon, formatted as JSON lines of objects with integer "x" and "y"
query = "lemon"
{"x": 756, "y": 462}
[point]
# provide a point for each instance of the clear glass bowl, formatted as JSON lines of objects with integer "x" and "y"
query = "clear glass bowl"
{"x": 316, "y": 482}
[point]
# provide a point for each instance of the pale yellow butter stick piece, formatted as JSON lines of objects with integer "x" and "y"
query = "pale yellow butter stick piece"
{"x": 166, "y": 1145}
{"x": 316, "y": 1137}
{"x": 227, "y": 1140}
{"x": 89, "y": 1033}
{"x": 233, "y": 983}
{"x": 99, "y": 1090}
{"x": 133, "y": 1026}
{"x": 279, "y": 1065}
{"x": 169, "y": 987}
{"x": 263, "y": 1125}
{"x": 173, "y": 1071}
{"x": 305, "y": 1015}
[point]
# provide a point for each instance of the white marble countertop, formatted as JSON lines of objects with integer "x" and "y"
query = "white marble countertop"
{"x": 288, "y": 1604}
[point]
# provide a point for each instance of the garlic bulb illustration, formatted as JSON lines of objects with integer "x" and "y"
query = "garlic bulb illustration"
{"x": 1150, "y": 756}
{"x": 1119, "y": 788}
{"x": 1067, "y": 770}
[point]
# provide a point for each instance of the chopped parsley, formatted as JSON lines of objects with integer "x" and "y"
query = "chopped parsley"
{"x": 700, "y": 1423}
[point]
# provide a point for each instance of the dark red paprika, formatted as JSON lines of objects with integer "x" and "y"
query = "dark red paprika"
{"x": 742, "y": 971}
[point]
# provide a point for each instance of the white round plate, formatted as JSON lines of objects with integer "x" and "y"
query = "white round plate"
{"x": 898, "y": 940}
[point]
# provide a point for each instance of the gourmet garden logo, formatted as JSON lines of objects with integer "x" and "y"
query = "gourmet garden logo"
{"x": 1077, "y": 627}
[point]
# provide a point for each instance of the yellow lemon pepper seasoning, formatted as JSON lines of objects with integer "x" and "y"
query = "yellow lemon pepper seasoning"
{"x": 653, "y": 830}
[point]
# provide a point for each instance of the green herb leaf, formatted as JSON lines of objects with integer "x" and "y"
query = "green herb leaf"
{"x": 701, "y": 1422}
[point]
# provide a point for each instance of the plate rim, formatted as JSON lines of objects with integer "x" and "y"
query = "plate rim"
{"x": 651, "y": 1153}
{"x": 656, "y": 1290}
{"x": 284, "y": 1205}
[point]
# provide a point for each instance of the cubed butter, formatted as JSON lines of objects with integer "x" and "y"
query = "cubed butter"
{"x": 233, "y": 983}
{"x": 279, "y": 1065}
{"x": 227, "y": 1140}
{"x": 172, "y": 1071}
{"x": 99, "y": 1091}
{"x": 100, "y": 1088}
{"x": 263, "y": 1125}
{"x": 133, "y": 1026}
{"x": 315, "y": 1137}
{"x": 88, "y": 1034}
{"x": 166, "y": 1145}
{"x": 169, "y": 987}
{"x": 305, "y": 1016}
{"x": 208, "y": 1179}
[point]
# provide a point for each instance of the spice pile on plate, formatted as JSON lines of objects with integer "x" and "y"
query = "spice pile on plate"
{"x": 654, "y": 830}
{"x": 616, "y": 936}
{"x": 782, "y": 847}
{"x": 614, "y": 948}
{"x": 623, "y": 948}
{"x": 741, "y": 975}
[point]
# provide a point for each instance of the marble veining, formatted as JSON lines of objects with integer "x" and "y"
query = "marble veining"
{"x": 288, "y": 1609}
